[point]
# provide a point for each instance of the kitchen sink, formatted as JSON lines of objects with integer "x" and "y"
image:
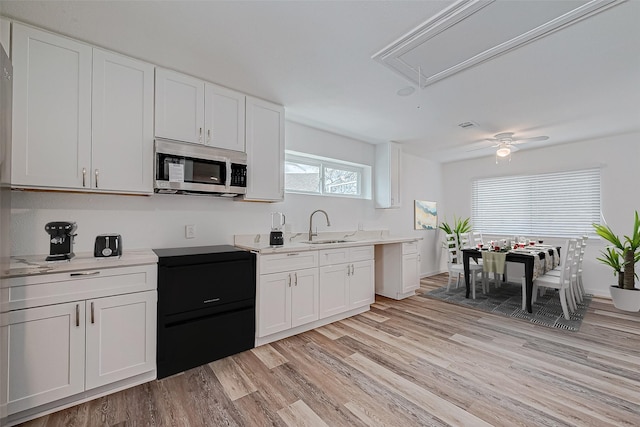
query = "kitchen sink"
{"x": 324, "y": 242}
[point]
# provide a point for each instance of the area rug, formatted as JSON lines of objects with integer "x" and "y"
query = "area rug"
{"x": 507, "y": 301}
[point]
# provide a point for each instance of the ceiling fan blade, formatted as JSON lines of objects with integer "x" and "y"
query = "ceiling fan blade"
{"x": 484, "y": 147}
{"x": 535, "y": 138}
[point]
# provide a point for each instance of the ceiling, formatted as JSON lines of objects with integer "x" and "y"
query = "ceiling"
{"x": 323, "y": 60}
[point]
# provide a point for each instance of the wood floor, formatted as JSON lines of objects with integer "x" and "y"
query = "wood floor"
{"x": 416, "y": 362}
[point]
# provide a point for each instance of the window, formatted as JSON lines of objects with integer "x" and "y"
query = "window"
{"x": 304, "y": 173}
{"x": 563, "y": 204}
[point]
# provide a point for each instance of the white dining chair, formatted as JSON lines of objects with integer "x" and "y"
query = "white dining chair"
{"x": 562, "y": 283}
{"x": 576, "y": 294}
{"x": 456, "y": 267}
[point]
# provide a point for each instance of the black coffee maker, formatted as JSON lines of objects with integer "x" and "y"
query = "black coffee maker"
{"x": 61, "y": 234}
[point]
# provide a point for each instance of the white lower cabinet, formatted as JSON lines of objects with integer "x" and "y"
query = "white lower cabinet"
{"x": 46, "y": 355}
{"x": 397, "y": 270}
{"x": 287, "y": 300}
{"x": 296, "y": 290}
{"x": 287, "y": 291}
{"x": 346, "y": 279}
{"x": 59, "y": 351}
{"x": 121, "y": 337}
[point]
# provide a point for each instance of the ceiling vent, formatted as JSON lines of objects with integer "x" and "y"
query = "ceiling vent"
{"x": 467, "y": 125}
{"x": 469, "y": 32}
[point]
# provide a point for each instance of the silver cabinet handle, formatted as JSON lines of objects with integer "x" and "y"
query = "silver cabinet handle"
{"x": 348, "y": 270}
{"x": 96, "y": 178}
{"x": 85, "y": 273}
{"x": 84, "y": 177}
{"x": 92, "y": 317}
{"x": 208, "y": 135}
{"x": 289, "y": 279}
{"x": 292, "y": 254}
{"x": 353, "y": 269}
{"x": 77, "y": 315}
{"x": 296, "y": 277}
{"x": 200, "y": 137}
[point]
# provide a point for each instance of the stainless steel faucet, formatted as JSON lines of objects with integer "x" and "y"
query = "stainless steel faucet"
{"x": 311, "y": 233}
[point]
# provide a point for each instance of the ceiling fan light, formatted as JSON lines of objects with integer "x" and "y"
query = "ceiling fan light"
{"x": 503, "y": 151}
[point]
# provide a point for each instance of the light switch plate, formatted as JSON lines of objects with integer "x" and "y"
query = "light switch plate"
{"x": 190, "y": 231}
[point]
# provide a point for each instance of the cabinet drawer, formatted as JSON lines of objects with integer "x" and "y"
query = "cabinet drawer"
{"x": 334, "y": 256}
{"x": 344, "y": 255}
{"x": 34, "y": 291}
{"x": 360, "y": 253}
{"x": 288, "y": 261}
{"x": 410, "y": 247}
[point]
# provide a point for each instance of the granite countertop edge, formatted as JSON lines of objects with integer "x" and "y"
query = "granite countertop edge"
{"x": 263, "y": 248}
{"x": 33, "y": 265}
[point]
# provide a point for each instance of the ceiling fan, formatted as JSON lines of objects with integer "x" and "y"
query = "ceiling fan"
{"x": 506, "y": 144}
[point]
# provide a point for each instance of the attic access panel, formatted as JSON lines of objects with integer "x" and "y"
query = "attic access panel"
{"x": 469, "y": 32}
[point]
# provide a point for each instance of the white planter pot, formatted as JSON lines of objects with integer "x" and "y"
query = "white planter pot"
{"x": 625, "y": 299}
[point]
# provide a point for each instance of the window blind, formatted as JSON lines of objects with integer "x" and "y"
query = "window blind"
{"x": 562, "y": 204}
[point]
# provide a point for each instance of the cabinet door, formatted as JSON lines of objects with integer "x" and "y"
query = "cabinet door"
{"x": 5, "y": 31}
{"x": 265, "y": 151}
{"x": 122, "y": 121}
{"x": 274, "y": 303}
{"x": 334, "y": 289}
{"x": 224, "y": 118}
{"x": 361, "y": 284}
{"x": 410, "y": 272}
{"x": 304, "y": 297}
{"x": 121, "y": 337}
{"x": 51, "y": 110}
{"x": 387, "y": 175}
{"x": 179, "y": 107}
{"x": 45, "y": 354}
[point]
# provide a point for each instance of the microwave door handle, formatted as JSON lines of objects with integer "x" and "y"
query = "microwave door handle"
{"x": 227, "y": 182}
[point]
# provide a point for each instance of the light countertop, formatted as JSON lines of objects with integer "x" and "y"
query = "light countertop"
{"x": 295, "y": 242}
{"x": 36, "y": 264}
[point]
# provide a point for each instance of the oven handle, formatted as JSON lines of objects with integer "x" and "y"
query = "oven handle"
{"x": 207, "y": 301}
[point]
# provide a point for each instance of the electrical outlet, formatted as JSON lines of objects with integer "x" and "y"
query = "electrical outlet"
{"x": 190, "y": 231}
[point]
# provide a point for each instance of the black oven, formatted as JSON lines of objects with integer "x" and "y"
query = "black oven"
{"x": 195, "y": 168}
{"x": 206, "y": 305}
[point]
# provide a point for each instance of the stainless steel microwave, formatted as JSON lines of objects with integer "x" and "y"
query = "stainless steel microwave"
{"x": 187, "y": 168}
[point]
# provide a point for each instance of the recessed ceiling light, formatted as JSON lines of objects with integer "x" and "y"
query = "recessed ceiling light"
{"x": 406, "y": 91}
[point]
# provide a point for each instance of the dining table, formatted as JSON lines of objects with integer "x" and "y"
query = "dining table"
{"x": 511, "y": 256}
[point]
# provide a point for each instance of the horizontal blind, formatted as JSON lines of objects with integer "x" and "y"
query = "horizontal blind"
{"x": 562, "y": 204}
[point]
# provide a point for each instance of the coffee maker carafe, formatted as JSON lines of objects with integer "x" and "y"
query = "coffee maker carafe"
{"x": 61, "y": 234}
{"x": 276, "y": 238}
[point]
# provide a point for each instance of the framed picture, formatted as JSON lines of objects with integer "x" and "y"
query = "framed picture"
{"x": 426, "y": 215}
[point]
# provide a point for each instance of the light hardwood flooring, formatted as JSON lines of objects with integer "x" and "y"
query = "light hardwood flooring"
{"x": 416, "y": 362}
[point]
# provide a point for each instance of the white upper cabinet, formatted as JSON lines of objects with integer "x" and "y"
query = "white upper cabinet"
{"x": 387, "y": 175}
{"x": 224, "y": 118}
{"x": 83, "y": 117}
{"x": 265, "y": 151}
{"x": 5, "y": 31}
{"x": 122, "y": 122}
{"x": 179, "y": 107}
{"x": 191, "y": 110}
{"x": 51, "y": 110}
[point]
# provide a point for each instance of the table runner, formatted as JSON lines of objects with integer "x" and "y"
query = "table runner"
{"x": 493, "y": 262}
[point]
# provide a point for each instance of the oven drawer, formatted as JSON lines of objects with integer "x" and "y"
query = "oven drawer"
{"x": 183, "y": 288}
{"x": 185, "y": 345}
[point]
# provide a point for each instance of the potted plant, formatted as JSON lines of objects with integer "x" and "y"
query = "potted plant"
{"x": 459, "y": 226}
{"x": 622, "y": 256}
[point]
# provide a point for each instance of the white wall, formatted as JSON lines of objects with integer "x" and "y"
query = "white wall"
{"x": 619, "y": 158}
{"x": 158, "y": 221}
